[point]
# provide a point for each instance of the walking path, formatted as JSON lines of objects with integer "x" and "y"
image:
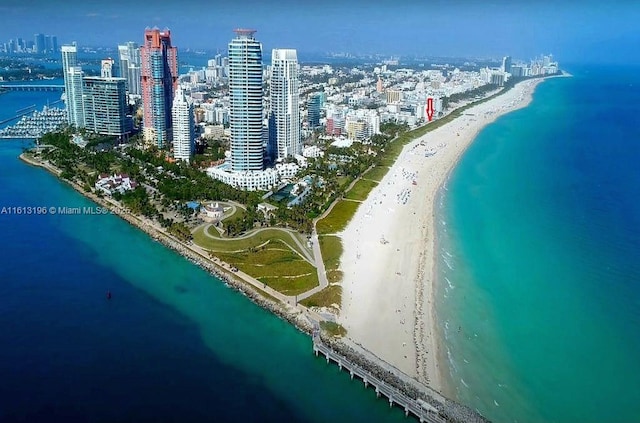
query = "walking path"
{"x": 306, "y": 254}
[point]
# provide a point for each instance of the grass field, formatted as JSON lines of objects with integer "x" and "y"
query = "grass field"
{"x": 220, "y": 244}
{"x": 338, "y": 218}
{"x": 376, "y": 173}
{"x": 333, "y": 329}
{"x": 361, "y": 189}
{"x": 276, "y": 266}
{"x": 326, "y": 298}
{"x": 331, "y": 249}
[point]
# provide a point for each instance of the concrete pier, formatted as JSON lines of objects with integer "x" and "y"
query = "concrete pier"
{"x": 415, "y": 407}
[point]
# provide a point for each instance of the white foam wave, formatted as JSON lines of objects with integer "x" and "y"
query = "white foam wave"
{"x": 449, "y": 265}
{"x": 449, "y": 283}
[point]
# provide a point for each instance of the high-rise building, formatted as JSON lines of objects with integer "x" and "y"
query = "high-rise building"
{"x": 54, "y": 44}
{"x": 129, "y": 58}
{"x": 183, "y": 134}
{"x": 506, "y": 64}
{"x": 75, "y": 96}
{"x": 105, "y": 106}
{"x": 272, "y": 137}
{"x": 314, "y": 104}
{"x": 245, "y": 95}
{"x": 159, "y": 71}
{"x": 106, "y": 68}
{"x": 285, "y": 101}
{"x": 72, "y": 86}
{"x": 39, "y": 45}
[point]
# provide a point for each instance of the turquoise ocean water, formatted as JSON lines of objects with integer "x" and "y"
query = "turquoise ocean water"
{"x": 173, "y": 345}
{"x": 538, "y": 273}
{"x": 538, "y": 290}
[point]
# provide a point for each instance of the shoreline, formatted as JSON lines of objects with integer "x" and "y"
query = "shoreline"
{"x": 279, "y": 306}
{"x": 389, "y": 256}
{"x": 302, "y": 318}
{"x": 425, "y": 381}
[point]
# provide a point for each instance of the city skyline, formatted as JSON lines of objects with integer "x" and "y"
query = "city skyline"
{"x": 464, "y": 29}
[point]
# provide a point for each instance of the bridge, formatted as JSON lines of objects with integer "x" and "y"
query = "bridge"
{"x": 12, "y": 87}
{"x": 417, "y": 407}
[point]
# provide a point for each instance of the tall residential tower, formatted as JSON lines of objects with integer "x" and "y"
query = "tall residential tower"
{"x": 285, "y": 101}
{"x": 183, "y": 134}
{"x": 159, "y": 72}
{"x": 245, "y": 95}
{"x": 73, "y": 86}
{"x": 129, "y": 58}
{"x": 105, "y": 106}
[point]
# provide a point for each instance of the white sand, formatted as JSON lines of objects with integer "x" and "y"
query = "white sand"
{"x": 388, "y": 260}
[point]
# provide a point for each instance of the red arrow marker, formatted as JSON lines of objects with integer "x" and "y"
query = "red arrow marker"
{"x": 429, "y": 109}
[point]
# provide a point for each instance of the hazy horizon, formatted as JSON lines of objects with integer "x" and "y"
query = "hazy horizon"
{"x": 586, "y": 32}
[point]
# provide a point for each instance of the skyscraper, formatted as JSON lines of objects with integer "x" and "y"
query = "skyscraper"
{"x": 159, "y": 81}
{"x": 105, "y": 106}
{"x": 73, "y": 86}
{"x": 285, "y": 101}
{"x": 245, "y": 95}
{"x": 314, "y": 104}
{"x": 39, "y": 45}
{"x": 129, "y": 58}
{"x": 506, "y": 64}
{"x": 183, "y": 134}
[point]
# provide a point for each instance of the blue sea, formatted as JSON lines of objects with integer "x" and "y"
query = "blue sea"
{"x": 174, "y": 344}
{"x": 539, "y": 244}
{"x": 538, "y": 290}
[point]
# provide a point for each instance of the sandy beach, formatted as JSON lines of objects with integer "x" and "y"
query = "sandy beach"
{"x": 388, "y": 259}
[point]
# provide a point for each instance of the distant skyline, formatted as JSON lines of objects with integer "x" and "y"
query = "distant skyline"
{"x": 572, "y": 31}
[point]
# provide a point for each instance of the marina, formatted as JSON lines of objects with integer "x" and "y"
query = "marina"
{"x": 34, "y": 124}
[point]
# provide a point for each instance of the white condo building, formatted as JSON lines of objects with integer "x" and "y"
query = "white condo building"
{"x": 72, "y": 86}
{"x": 285, "y": 102}
{"x": 245, "y": 100}
{"x": 183, "y": 134}
{"x": 129, "y": 58}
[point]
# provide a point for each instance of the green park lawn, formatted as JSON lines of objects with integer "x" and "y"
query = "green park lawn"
{"x": 220, "y": 244}
{"x": 338, "y": 218}
{"x": 376, "y": 173}
{"x": 360, "y": 190}
{"x": 276, "y": 266}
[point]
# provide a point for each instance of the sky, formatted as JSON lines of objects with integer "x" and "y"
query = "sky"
{"x": 574, "y": 31}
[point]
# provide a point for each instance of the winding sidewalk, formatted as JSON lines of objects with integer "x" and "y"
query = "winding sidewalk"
{"x": 305, "y": 253}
